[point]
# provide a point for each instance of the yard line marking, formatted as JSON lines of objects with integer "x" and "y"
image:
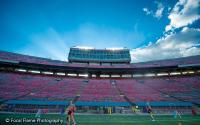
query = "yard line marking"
{"x": 143, "y": 121}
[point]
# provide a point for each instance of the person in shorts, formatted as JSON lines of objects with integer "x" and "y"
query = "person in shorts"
{"x": 70, "y": 113}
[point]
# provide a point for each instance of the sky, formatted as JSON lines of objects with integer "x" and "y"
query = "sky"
{"x": 151, "y": 29}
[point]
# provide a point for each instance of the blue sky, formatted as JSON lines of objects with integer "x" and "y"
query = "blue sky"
{"x": 150, "y": 28}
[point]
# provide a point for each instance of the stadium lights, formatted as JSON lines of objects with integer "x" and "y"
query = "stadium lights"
{"x": 83, "y": 47}
{"x": 137, "y": 75}
{"x": 190, "y": 72}
{"x": 48, "y": 73}
{"x": 115, "y": 76}
{"x": 149, "y": 75}
{"x": 184, "y": 73}
{"x": 83, "y": 75}
{"x": 33, "y": 71}
{"x": 162, "y": 74}
{"x": 70, "y": 74}
{"x": 126, "y": 75}
{"x": 93, "y": 75}
{"x": 115, "y": 48}
{"x": 60, "y": 73}
{"x": 175, "y": 73}
{"x": 20, "y": 70}
{"x": 104, "y": 76}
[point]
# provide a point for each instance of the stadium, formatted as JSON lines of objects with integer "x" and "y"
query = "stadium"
{"x": 103, "y": 84}
{"x": 99, "y": 62}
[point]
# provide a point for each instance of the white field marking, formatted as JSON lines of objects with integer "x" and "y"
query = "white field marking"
{"x": 177, "y": 120}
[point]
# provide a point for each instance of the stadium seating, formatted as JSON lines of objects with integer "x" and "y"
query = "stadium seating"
{"x": 20, "y": 86}
{"x": 38, "y": 87}
{"x": 26, "y": 86}
{"x": 100, "y": 90}
{"x": 137, "y": 92}
{"x": 161, "y": 89}
{"x": 29, "y": 59}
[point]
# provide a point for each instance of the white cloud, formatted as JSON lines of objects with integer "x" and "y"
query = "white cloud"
{"x": 159, "y": 10}
{"x": 185, "y": 12}
{"x": 147, "y": 11}
{"x": 172, "y": 45}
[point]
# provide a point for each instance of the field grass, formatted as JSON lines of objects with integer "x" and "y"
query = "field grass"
{"x": 21, "y": 119}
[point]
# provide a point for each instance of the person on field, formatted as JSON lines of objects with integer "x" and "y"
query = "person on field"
{"x": 70, "y": 113}
{"x": 194, "y": 112}
{"x": 176, "y": 113}
{"x": 149, "y": 110}
{"x": 38, "y": 114}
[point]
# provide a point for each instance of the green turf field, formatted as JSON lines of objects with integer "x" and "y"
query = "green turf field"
{"x": 98, "y": 120}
